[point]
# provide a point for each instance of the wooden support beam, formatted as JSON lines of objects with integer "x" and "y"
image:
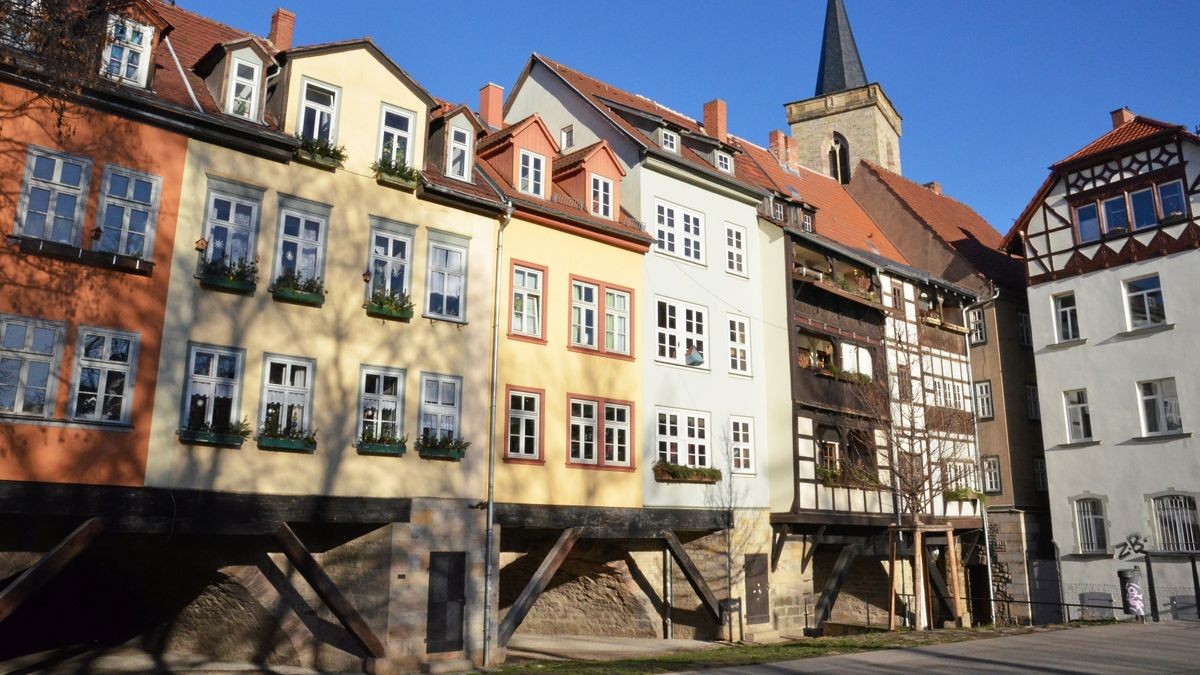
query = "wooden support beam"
{"x": 541, "y": 578}
{"x": 781, "y": 536}
{"x": 692, "y": 574}
{"x": 833, "y": 585}
{"x": 48, "y": 566}
{"x": 327, "y": 590}
{"x": 953, "y": 563}
{"x": 939, "y": 584}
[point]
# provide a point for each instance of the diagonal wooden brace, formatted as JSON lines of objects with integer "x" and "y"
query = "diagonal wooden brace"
{"x": 48, "y": 566}
{"x": 541, "y": 578}
{"x": 692, "y": 574}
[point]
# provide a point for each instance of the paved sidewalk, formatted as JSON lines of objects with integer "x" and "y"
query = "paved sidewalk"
{"x": 596, "y": 648}
{"x": 1168, "y": 647}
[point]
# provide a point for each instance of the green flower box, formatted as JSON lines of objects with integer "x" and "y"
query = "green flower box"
{"x": 220, "y": 440}
{"x": 665, "y": 472}
{"x": 959, "y": 494}
{"x": 381, "y": 312}
{"x": 289, "y": 444}
{"x": 406, "y": 184}
{"x": 298, "y": 297}
{"x": 392, "y": 449}
{"x": 450, "y": 454}
{"x": 220, "y": 283}
{"x": 319, "y": 161}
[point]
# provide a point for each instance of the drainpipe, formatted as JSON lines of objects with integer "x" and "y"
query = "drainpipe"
{"x": 987, "y": 539}
{"x": 491, "y": 486}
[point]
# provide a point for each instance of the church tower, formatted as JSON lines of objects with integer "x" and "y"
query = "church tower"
{"x": 847, "y": 119}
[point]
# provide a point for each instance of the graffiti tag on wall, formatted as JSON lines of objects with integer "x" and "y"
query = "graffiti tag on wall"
{"x": 1134, "y": 544}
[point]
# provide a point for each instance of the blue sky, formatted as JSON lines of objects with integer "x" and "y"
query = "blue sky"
{"x": 991, "y": 92}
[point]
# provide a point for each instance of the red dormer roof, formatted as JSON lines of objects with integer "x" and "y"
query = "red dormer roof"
{"x": 1138, "y": 129}
{"x": 585, "y": 156}
{"x": 512, "y": 131}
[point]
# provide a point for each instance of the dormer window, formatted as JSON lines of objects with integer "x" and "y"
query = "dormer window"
{"x": 458, "y": 154}
{"x": 724, "y": 162}
{"x": 670, "y": 141}
{"x": 778, "y": 210}
{"x": 566, "y": 137}
{"x": 243, "y": 90}
{"x": 532, "y": 174}
{"x": 602, "y": 189}
{"x": 126, "y": 55}
{"x": 806, "y": 222}
{"x": 318, "y": 113}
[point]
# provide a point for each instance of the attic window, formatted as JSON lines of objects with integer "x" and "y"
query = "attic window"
{"x": 670, "y": 141}
{"x": 532, "y": 169}
{"x": 778, "y": 210}
{"x": 724, "y": 162}
{"x": 458, "y": 164}
{"x": 243, "y": 90}
{"x": 602, "y": 189}
{"x": 126, "y": 55}
{"x": 318, "y": 113}
{"x": 806, "y": 222}
{"x": 567, "y": 137}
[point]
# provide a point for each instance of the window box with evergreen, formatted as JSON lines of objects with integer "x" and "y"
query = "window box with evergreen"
{"x": 320, "y": 153}
{"x": 293, "y": 288}
{"x": 442, "y": 447}
{"x": 385, "y": 444}
{"x": 384, "y": 305}
{"x": 959, "y": 494}
{"x": 396, "y": 174}
{"x": 667, "y": 472}
{"x": 230, "y": 276}
{"x": 221, "y": 436}
{"x": 292, "y": 439}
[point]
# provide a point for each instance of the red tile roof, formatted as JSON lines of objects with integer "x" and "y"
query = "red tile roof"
{"x": 1136, "y": 130}
{"x": 192, "y": 37}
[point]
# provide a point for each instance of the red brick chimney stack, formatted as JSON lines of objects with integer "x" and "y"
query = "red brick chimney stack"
{"x": 1121, "y": 116}
{"x": 934, "y": 187}
{"x": 283, "y": 25}
{"x": 715, "y": 120}
{"x": 491, "y": 105}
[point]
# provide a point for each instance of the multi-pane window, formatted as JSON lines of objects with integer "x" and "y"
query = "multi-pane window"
{"x": 566, "y": 137}
{"x": 680, "y": 330}
{"x": 741, "y": 444}
{"x": 1033, "y": 409}
{"x": 532, "y": 178}
{"x": 583, "y": 425}
{"x": 243, "y": 90}
{"x": 1145, "y": 302}
{"x": 583, "y": 314}
{"x": 1176, "y": 523}
{"x": 318, "y": 114}
{"x": 52, "y": 202}
{"x": 1079, "y": 419}
{"x": 1160, "y": 406}
{"x": 602, "y": 196}
{"x": 1039, "y": 475}
{"x": 1024, "y": 331}
{"x": 856, "y": 359}
{"x": 976, "y": 326}
{"x": 616, "y": 434}
{"x": 670, "y": 141}
{"x": 991, "y": 475}
{"x": 983, "y": 400}
{"x": 724, "y": 162}
{"x": 301, "y": 251}
{"x": 441, "y": 405}
{"x": 1066, "y": 317}
{"x": 381, "y": 405}
{"x": 777, "y": 210}
{"x": 287, "y": 396}
{"x": 1141, "y": 208}
{"x": 213, "y": 385}
{"x": 739, "y": 345}
{"x": 958, "y": 475}
{"x": 679, "y": 232}
{"x": 616, "y": 321}
{"x": 126, "y": 54}
{"x": 103, "y": 385}
{"x": 806, "y": 222}
{"x": 458, "y": 157}
{"x": 390, "y": 255}
{"x": 524, "y": 424}
{"x": 127, "y": 212}
{"x": 682, "y": 437}
{"x": 447, "y": 282}
{"x": 230, "y": 226}
{"x": 527, "y": 302}
{"x": 29, "y": 353}
{"x": 1089, "y": 521}
{"x": 735, "y": 249}
{"x": 395, "y": 135}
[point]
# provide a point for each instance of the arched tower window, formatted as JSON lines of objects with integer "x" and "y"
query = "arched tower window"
{"x": 839, "y": 158}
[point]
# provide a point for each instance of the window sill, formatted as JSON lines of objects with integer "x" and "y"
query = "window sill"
{"x": 287, "y": 444}
{"x": 1155, "y": 438}
{"x": 11, "y": 418}
{"x": 385, "y": 449}
{"x": 520, "y": 337}
{"x": 70, "y": 253}
{"x": 1079, "y": 444}
{"x": 1090, "y": 555}
{"x": 1067, "y": 344}
{"x": 212, "y": 438}
{"x": 600, "y": 467}
{"x": 593, "y": 351}
{"x": 531, "y": 461}
{"x": 1145, "y": 330}
{"x": 447, "y": 319}
{"x": 675, "y": 256}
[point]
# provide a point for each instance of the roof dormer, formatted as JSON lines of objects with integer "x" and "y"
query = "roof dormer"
{"x": 592, "y": 177}
{"x": 236, "y": 73}
{"x": 522, "y": 153}
{"x": 454, "y": 131}
{"x": 130, "y": 44}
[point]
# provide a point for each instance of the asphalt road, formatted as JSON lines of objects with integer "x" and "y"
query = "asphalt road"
{"x": 1168, "y": 647}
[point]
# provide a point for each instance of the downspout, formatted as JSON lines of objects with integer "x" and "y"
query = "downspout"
{"x": 987, "y": 539}
{"x": 182, "y": 74}
{"x": 491, "y": 486}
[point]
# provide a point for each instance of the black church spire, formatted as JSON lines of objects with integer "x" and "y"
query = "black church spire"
{"x": 841, "y": 68}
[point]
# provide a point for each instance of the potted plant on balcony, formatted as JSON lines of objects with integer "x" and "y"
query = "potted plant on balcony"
{"x": 393, "y": 172}
{"x": 959, "y": 494}
{"x": 384, "y": 305}
{"x": 273, "y": 436}
{"x": 225, "y": 274}
{"x": 383, "y": 443}
{"x": 444, "y": 446}
{"x": 219, "y": 434}
{"x": 320, "y": 153}
{"x": 291, "y": 287}
{"x": 669, "y": 472}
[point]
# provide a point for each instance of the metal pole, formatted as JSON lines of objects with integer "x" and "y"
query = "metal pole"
{"x": 979, "y": 503}
{"x": 1153, "y": 594}
{"x": 667, "y": 592}
{"x": 1195, "y": 588}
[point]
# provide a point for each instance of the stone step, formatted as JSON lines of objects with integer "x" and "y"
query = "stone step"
{"x": 763, "y": 635}
{"x": 448, "y": 666}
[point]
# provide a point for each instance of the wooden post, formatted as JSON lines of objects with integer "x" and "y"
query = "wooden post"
{"x": 541, "y": 578}
{"x": 891, "y": 579}
{"x": 920, "y": 597}
{"x": 48, "y": 566}
{"x": 953, "y": 563}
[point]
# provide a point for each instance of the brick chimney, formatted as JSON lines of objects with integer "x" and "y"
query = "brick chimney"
{"x": 283, "y": 24}
{"x": 715, "y": 120}
{"x": 784, "y": 150}
{"x": 934, "y": 187}
{"x": 491, "y": 105}
{"x": 1121, "y": 116}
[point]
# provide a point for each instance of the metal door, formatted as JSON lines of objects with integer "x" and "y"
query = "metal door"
{"x": 447, "y": 601}
{"x": 758, "y": 595}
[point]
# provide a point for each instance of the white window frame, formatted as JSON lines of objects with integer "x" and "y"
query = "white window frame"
{"x": 566, "y": 137}
{"x": 446, "y": 273}
{"x": 380, "y": 399}
{"x": 26, "y": 356}
{"x": 677, "y": 223}
{"x": 56, "y": 188}
{"x": 741, "y": 445}
{"x": 193, "y": 383}
{"x": 107, "y": 366}
{"x": 581, "y": 310}
{"x": 739, "y": 344}
{"x": 532, "y": 174}
{"x": 397, "y": 133}
{"x": 531, "y": 301}
{"x": 579, "y": 443}
{"x": 735, "y": 250}
{"x": 1163, "y": 402}
{"x": 977, "y": 326}
{"x": 442, "y": 411}
{"x": 1024, "y": 330}
{"x": 1078, "y": 415}
{"x": 142, "y": 50}
{"x": 602, "y": 197}
{"x": 618, "y": 434}
{"x": 1033, "y": 408}
{"x": 682, "y": 334}
{"x": 806, "y": 222}
{"x": 381, "y": 265}
{"x": 129, "y": 204}
{"x": 670, "y": 141}
{"x": 1091, "y": 528}
{"x": 253, "y": 84}
{"x": 682, "y": 436}
{"x": 777, "y": 210}
{"x": 319, "y": 109}
{"x": 282, "y": 238}
{"x": 231, "y": 225}
{"x": 521, "y": 417}
{"x": 1175, "y": 522}
{"x": 306, "y": 391}
{"x": 724, "y": 162}
{"x": 1145, "y": 300}
{"x": 1068, "y": 314}
{"x": 992, "y": 483}
{"x": 984, "y": 405}
{"x": 855, "y": 358}
{"x": 617, "y": 321}
{"x": 453, "y": 144}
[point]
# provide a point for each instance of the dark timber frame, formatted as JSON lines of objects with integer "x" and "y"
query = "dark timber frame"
{"x": 48, "y": 566}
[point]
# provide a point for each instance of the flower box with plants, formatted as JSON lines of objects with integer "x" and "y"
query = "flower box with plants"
{"x": 396, "y": 307}
{"x": 291, "y": 287}
{"x": 668, "y": 472}
{"x": 296, "y": 439}
{"x": 445, "y": 446}
{"x": 958, "y": 494}
{"x": 395, "y": 173}
{"x": 319, "y": 153}
{"x": 382, "y": 443}
{"x": 233, "y": 276}
{"x": 224, "y": 435}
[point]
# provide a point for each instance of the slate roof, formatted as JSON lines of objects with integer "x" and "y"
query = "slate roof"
{"x": 841, "y": 68}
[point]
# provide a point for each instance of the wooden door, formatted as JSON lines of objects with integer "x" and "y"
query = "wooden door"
{"x": 447, "y": 601}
